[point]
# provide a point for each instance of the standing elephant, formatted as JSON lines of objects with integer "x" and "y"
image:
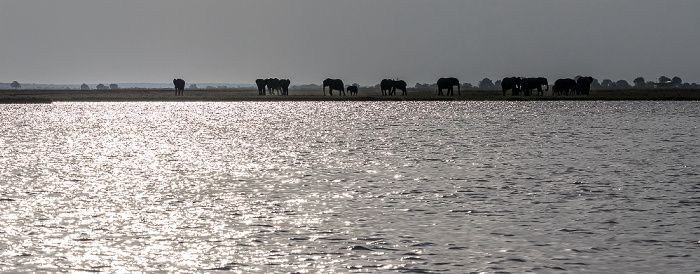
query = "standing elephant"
{"x": 400, "y": 85}
{"x": 511, "y": 83}
{"x": 385, "y": 85}
{"x": 179, "y": 86}
{"x": 272, "y": 85}
{"x": 333, "y": 84}
{"x": 352, "y": 90}
{"x": 284, "y": 83}
{"x": 583, "y": 85}
{"x": 261, "y": 86}
{"x": 528, "y": 84}
{"x": 448, "y": 83}
{"x": 564, "y": 86}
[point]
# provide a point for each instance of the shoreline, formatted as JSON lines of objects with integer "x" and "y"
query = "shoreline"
{"x": 366, "y": 94}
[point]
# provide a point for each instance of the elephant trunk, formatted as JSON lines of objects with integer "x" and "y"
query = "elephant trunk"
{"x": 324, "y": 90}
{"x": 458, "y": 91}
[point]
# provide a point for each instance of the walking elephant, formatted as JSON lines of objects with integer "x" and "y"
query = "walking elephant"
{"x": 386, "y": 85}
{"x": 284, "y": 83}
{"x": 352, "y": 90}
{"x": 583, "y": 85}
{"x": 400, "y": 85}
{"x": 528, "y": 84}
{"x": 448, "y": 83}
{"x": 564, "y": 86}
{"x": 333, "y": 84}
{"x": 179, "y": 86}
{"x": 272, "y": 85}
{"x": 511, "y": 83}
{"x": 261, "y": 86}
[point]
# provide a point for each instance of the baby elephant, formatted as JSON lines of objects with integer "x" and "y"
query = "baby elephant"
{"x": 352, "y": 90}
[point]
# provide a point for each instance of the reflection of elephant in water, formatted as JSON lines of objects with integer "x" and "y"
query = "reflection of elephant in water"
{"x": 583, "y": 85}
{"x": 511, "y": 83}
{"x": 352, "y": 90}
{"x": 528, "y": 84}
{"x": 179, "y": 86}
{"x": 448, "y": 83}
{"x": 563, "y": 86}
{"x": 400, "y": 85}
{"x": 386, "y": 86}
{"x": 272, "y": 85}
{"x": 261, "y": 86}
{"x": 285, "y": 86}
{"x": 333, "y": 84}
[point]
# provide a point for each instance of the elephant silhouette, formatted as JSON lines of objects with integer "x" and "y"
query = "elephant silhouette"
{"x": 284, "y": 83}
{"x": 583, "y": 85}
{"x": 528, "y": 84}
{"x": 352, "y": 90}
{"x": 333, "y": 84}
{"x": 448, "y": 83}
{"x": 261, "y": 86}
{"x": 400, "y": 85}
{"x": 272, "y": 85}
{"x": 563, "y": 86}
{"x": 179, "y": 86}
{"x": 386, "y": 85}
{"x": 511, "y": 83}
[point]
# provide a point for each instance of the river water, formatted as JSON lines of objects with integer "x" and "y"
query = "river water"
{"x": 418, "y": 187}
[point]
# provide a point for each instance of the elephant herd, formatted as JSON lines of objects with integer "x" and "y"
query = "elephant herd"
{"x": 516, "y": 85}
{"x": 561, "y": 86}
{"x": 273, "y": 84}
{"x": 388, "y": 86}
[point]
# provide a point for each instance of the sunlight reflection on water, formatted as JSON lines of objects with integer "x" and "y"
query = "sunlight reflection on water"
{"x": 350, "y": 186}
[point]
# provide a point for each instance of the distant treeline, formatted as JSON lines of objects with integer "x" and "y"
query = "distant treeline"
{"x": 486, "y": 83}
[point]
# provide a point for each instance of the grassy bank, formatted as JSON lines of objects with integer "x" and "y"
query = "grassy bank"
{"x": 48, "y": 96}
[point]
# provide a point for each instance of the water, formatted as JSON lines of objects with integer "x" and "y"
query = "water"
{"x": 350, "y": 186}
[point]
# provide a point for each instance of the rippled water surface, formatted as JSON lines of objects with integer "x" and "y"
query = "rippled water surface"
{"x": 351, "y": 186}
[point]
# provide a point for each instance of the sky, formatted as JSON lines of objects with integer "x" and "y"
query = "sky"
{"x": 358, "y": 41}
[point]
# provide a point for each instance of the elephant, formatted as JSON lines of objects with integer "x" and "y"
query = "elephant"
{"x": 386, "y": 86}
{"x": 272, "y": 85}
{"x": 285, "y": 86}
{"x": 448, "y": 83}
{"x": 564, "y": 86}
{"x": 261, "y": 86}
{"x": 511, "y": 83}
{"x": 583, "y": 85}
{"x": 333, "y": 84}
{"x": 179, "y": 86}
{"x": 352, "y": 90}
{"x": 528, "y": 84}
{"x": 400, "y": 85}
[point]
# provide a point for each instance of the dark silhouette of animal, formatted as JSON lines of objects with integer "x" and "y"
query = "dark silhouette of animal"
{"x": 352, "y": 90}
{"x": 284, "y": 83}
{"x": 448, "y": 83}
{"x": 261, "y": 86}
{"x": 179, "y": 86}
{"x": 583, "y": 85}
{"x": 563, "y": 86}
{"x": 400, "y": 85}
{"x": 333, "y": 84}
{"x": 272, "y": 85}
{"x": 528, "y": 84}
{"x": 511, "y": 83}
{"x": 386, "y": 85}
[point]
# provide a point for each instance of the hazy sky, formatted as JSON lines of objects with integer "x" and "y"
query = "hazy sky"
{"x": 359, "y": 41}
